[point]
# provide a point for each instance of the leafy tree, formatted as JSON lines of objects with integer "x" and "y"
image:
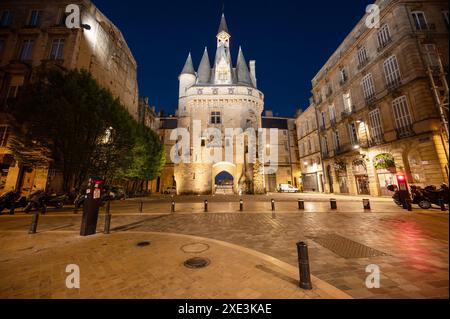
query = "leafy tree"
{"x": 69, "y": 119}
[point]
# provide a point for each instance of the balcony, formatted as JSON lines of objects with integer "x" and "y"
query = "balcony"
{"x": 393, "y": 85}
{"x": 344, "y": 148}
{"x": 405, "y": 131}
{"x": 348, "y": 113}
{"x": 326, "y": 155}
{"x": 376, "y": 140}
{"x": 370, "y": 100}
{"x": 383, "y": 45}
{"x": 363, "y": 63}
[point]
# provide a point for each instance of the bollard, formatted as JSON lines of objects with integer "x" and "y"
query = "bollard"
{"x": 366, "y": 204}
{"x": 303, "y": 266}
{"x": 442, "y": 204}
{"x": 273, "y": 204}
{"x": 34, "y": 223}
{"x": 173, "y": 207}
{"x": 107, "y": 218}
{"x": 141, "y": 206}
{"x": 44, "y": 210}
{"x": 241, "y": 205}
{"x": 333, "y": 204}
{"x": 206, "y": 206}
{"x": 301, "y": 204}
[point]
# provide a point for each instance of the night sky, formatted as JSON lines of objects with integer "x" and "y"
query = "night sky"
{"x": 290, "y": 41}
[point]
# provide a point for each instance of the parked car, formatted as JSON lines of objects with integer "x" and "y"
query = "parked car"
{"x": 287, "y": 188}
{"x": 170, "y": 190}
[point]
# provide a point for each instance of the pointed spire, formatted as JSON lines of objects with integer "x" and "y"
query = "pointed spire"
{"x": 243, "y": 73}
{"x": 223, "y": 25}
{"x": 204, "y": 70}
{"x": 188, "y": 66}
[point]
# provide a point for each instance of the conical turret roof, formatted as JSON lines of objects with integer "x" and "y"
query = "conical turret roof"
{"x": 204, "y": 70}
{"x": 188, "y": 66}
{"x": 243, "y": 73}
{"x": 223, "y": 25}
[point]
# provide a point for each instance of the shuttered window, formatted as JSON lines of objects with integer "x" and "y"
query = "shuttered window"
{"x": 368, "y": 87}
{"x": 403, "y": 120}
{"x": 392, "y": 71}
{"x": 376, "y": 128}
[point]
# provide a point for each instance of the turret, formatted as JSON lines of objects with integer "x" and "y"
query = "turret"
{"x": 187, "y": 77}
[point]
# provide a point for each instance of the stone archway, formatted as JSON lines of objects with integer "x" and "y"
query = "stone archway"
{"x": 224, "y": 170}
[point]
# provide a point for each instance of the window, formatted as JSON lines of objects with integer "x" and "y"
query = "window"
{"x": 57, "y": 51}
{"x": 336, "y": 140}
{"x": 383, "y": 36}
{"x": 5, "y": 18}
{"x": 344, "y": 76}
{"x": 431, "y": 56}
{"x": 35, "y": 17}
{"x": 216, "y": 118}
{"x": 368, "y": 87}
{"x": 325, "y": 145}
{"x": 322, "y": 119}
{"x": 332, "y": 111}
{"x": 347, "y": 102}
{"x": 26, "y": 51}
{"x": 4, "y": 134}
{"x": 353, "y": 134}
{"x": 420, "y": 21}
{"x": 363, "y": 58}
{"x": 392, "y": 72}
{"x": 309, "y": 146}
{"x": 402, "y": 116}
{"x": 445, "y": 14}
{"x": 376, "y": 129}
{"x": 13, "y": 91}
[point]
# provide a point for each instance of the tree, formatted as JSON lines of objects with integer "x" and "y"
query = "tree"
{"x": 68, "y": 119}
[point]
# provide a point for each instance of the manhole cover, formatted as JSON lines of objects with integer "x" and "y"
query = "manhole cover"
{"x": 143, "y": 244}
{"x": 197, "y": 262}
{"x": 195, "y": 248}
{"x": 346, "y": 248}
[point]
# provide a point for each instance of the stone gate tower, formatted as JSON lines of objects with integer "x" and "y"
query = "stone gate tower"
{"x": 221, "y": 95}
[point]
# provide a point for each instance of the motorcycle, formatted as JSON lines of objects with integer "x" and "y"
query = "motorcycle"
{"x": 396, "y": 196}
{"x": 36, "y": 201}
{"x": 433, "y": 196}
{"x": 8, "y": 200}
{"x": 56, "y": 201}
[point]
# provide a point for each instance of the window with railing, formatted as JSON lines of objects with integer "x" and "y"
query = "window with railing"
{"x": 26, "y": 50}
{"x": 336, "y": 140}
{"x": 4, "y": 135}
{"x": 353, "y": 133}
{"x": 368, "y": 86}
{"x": 363, "y": 57}
{"x": 392, "y": 72}
{"x": 57, "y": 50}
{"x": 402, "y": 115}
{"x": 325, "y": 150}
{"x": 376, "y": 128}
{"x": 35, "y": 18}
{"x": 383, "y": 36}
{"x": 420, "y": 20}
{"x": 5, "y": 18}
{"x": 332, "y": 111}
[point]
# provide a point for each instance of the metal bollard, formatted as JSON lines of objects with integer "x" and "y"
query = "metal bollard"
{"x": 206, "y": 206}
{"x": 107, "y": 218}
{"x": 366, "y": 204}
{"x": 301, "y": 204}
{"x": 273, "y": 204}
{"x": 173, "y": 207}
{"x": 333, "y": 204}
{"x": 241, "y": 205}
{"x": 141, "y": 206}
{"x": 442, "y": 205}
{"x": 303, "y": 266}
{"x": 34, "y": 223}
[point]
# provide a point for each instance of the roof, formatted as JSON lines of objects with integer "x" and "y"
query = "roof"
{"x": 188, "y": 66}
{"x": 223, "y": 25}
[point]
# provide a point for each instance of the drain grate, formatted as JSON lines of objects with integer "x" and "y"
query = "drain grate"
{"x": 143, "y": 244}
{"x": 197, "y": 262}
{"x": 345, "y": 247}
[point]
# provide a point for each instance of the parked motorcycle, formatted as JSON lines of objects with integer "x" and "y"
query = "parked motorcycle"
{"x": 430, "y": 195}
{"x": 36, "y": 201}
{"x": 396, "y": 196}
{"x": 56, "y": 201}
{"x": 8, "y": 200}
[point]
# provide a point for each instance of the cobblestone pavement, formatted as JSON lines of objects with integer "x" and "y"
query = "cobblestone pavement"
{"x": 115, "y": 266}
{"x": 411, "y": 249}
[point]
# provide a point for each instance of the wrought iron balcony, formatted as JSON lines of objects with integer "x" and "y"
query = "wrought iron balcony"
{"x": 383, "y": 45}
{"x": 347, "y": 113}
{"x": 363, "y": 63}
{"x": 393, "y": 85}
{"x": 405, "y": 131}
{"x": 370, "y": 100}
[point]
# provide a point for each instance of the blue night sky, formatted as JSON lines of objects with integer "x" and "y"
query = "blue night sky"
{"x": 289, "y": 39}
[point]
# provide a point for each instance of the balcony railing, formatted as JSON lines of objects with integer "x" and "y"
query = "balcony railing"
{"x": 363, "y": 63}
{"x": 347, "y": 112}
{"x": 383, "y": 45}
{"x": 393, "y": 85}
{"x": 344, "y": 148}
{"x": 405, "y": 131}
{"x": 370, "y": 100}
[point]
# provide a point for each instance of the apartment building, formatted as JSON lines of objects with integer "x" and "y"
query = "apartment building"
{"x": 33, "y": 33}
{"x": 381, "y": 98}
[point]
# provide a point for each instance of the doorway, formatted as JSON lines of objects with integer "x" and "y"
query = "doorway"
{"x": 224, "y": 182}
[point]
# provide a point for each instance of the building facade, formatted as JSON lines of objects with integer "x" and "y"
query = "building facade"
{"x": 33, "y": 33}
{"x": 379, "y": 101}
{"x": 310, "y": 158}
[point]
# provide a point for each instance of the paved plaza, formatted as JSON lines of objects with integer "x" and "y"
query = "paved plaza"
{"x": 252, "y": 253}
